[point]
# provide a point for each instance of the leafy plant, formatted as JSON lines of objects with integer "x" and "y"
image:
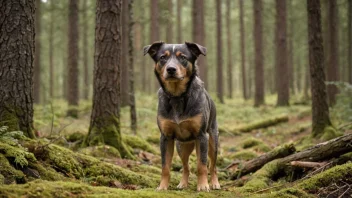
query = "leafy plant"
{"x": 10, "y": 137}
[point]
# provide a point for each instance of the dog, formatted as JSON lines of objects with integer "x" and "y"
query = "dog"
{"x": 186, "y": 113}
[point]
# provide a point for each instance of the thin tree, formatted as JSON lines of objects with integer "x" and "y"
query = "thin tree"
{"x": 229, "y": 39}
{"x": 105, "y": 119}
{"x": 179, "y": 22}
{"x": 73, "y": 58}
{"x": 16, "y": 65}
{"x": 333, "y": 61}
{"x": 85, "y": 51}
{"x": 320, "y": 109}
{"x": 198, "y": 33}
{"x": 132, "y": 100}
{"x": 290, "y": 50}
{"x": 170, "y": 25}
{"x": 37, "y": 67}
{"x": 259, "y": 58}
{"x": 51, "y": 50}
{"x": 283, "y": 89}
{"x": 350, "y": 40}
{"x": 243, "y": 53}
{"x": 219, "y": 86}
{"x": 124, "y": 58}
{"x": 154, "y": 28}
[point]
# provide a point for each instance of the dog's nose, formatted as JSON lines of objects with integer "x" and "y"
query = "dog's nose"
{"x": 171, "y": 70}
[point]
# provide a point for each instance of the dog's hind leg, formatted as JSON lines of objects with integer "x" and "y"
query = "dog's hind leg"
{"x": 184, "y": 150}
{"x": 167, "y": 151}
{"x": 213, "y": 152}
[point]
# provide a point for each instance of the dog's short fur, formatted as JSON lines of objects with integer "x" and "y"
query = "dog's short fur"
{"x": 185, "y": 112}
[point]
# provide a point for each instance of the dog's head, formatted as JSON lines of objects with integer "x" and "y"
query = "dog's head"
{"x": 174, "y": 62}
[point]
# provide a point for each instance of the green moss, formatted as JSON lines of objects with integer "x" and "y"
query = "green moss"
{"x": 73, "y": 137}
{"x": 244, "y": 155}
{"x": 330, "y": 133}
{"x": 327, "y": 177}
{"x": 250, "y": 142}
{"x": 20, "y": 156}
{"x": 262, "y": 148}
{"x": 285, "y": 193}
{"x": 137, "y": 142}
{"x": 103, "y": 151}
{"x": 154, "y": 139}
{"x": 9, "y": 173}
{"x": 2, "y": 179}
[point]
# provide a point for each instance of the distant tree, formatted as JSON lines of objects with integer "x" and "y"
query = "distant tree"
{"x": 219, "y": 84}
{"x": 105, "y": 119}
{"x": 73, "y": 93}
{"x": 170, "y": 25}
{"x": 124, "y": 58}
{"x": 198, "y": 33}
{"x": 85, "y": 29}
{"x": 132, "y": 101}
{"x": 16, "y": 65}
{"x": 37, "y": 67}
{"x": 51, "y": 50}
{"x": 333, "y": 61}
{"x": 290, "y": 50}
{"x": 281, "y": 55}
{"x": 178, "y": 21}
{"x": 350, "y": 40}
{"x": 259, "y": 58}
{"x": 154, "y": 28}
{"x": 229, "y": 39}
{"x": 243, "y": 53}
{"x": 320, "y": 109}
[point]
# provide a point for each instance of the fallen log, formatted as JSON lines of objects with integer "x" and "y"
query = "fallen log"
{"x": 304, "y": 164}
{"x": 260, "y": 124}
{"x": 257, "y": 163}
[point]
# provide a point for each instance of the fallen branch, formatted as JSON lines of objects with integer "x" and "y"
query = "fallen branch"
{"x": 260, "y": 124}
{"x": 257, "y": 163}
{"x": 303, "y": 164}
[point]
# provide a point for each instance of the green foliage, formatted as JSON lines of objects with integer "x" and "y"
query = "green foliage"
{"x": 342, "y": 111}
{"x": 10, "y": 137}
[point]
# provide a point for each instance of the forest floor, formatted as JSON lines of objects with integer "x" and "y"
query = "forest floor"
{"x": 67, "y": 178}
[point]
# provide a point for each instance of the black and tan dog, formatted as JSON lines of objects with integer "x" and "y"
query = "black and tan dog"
{"x": 185, "y": 112}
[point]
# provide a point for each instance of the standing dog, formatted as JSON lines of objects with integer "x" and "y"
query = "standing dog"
{"x": 185, "y": 113}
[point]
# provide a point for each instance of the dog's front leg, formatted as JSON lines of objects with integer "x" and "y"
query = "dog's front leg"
{"x": 167, "y": 151}
{"x": 202, "y": 154}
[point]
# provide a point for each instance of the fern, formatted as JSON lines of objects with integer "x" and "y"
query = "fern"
{"x": 10, "y": 137}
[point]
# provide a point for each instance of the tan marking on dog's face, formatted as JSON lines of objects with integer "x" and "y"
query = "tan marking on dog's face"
{"x": 178, "y": 53}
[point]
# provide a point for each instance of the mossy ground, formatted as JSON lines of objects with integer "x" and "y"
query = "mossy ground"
{"x": 98, "y": 171}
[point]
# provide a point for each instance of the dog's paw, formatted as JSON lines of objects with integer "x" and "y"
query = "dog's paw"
{"x": 215, "y": 186}
{"x": 182, "y": 185}
{"x": 203, "y": 187}
{"x": 161, "y": 188}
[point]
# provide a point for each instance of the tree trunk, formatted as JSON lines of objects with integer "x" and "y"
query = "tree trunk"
{"x": 154, "y": 28}
{"x": 132, "y": 101}
{"x": 333, "y": 64}
{"x": 320, "y": 109}
{"x": 290, "y": 56}
{"x": 259, "y": 58}
{"x": 282, "y": 71}
{"x": 37, "y": 69}
{"x": 124, "y": 58}
{"x": 105, "y": 119}
{"x": 85, "y": 51}
{"x": 179, "y": 24}
{"x": 229, "y": 56}
{"x": 199, "y": 36}
{"x": 51, "y": 50}
{"x": 350, "y": 40}
{"x": 219, "y": 85}
{"x": 243, "y": 53}
{"x": 73, "y": 58}
{"x": 169, "y": 27}
{"x": 17, "y": 33}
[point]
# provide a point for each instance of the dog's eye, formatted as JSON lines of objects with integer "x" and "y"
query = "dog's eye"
{"x": 183, "y": 58}
{"x": 162, "y": 57}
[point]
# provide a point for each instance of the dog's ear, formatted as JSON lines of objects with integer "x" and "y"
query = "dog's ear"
{"x": 153, "y": 48}
{"x": 196, "y": 49}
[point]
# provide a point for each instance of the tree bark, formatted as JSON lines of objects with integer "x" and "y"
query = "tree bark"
{"x": 243, "y": 53}
{"x": 17, "y": 33}
{"x": 282, "y": 71}
{"x": 37, "y": 67}
{"x": 105, "y": 119}
{"x": 350, "y": 40}
{"x": 320, "y": 109}
{"x": 199, "y": 36}
{"x": 229, "y": 56}
{"x": 333, "y": 62}
{"x": 179, "y": 24}
{"x": 51, "y": 50}
{"x": 85, "y": 51}
{"x": 73, "y": 54}
{"x": 290, "y": 52}
{"x": 169, "y": 27}
{"x": 132, "y": 101}
{"x": 154, "y": 28}
{"x": 259, "y": 58}
{"x": 124, "y": 58}
{"x": 219, "y": 84}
